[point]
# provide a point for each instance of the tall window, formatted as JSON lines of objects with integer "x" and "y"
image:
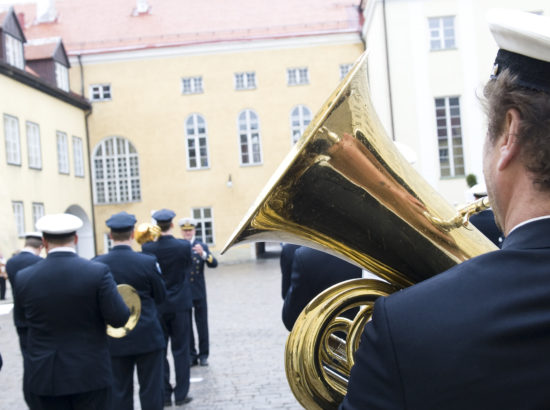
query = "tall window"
{"x": 442, "y": 32}
{"x": 204, "y": 229}
{"x": 249, "y": 137}
{"x": 300, "y": 117}
{"x": 78, "y": 156}
{"x": 191, "y": 85}
{"x": 116, "y": 172}
{"x": 62, "y": 76}
{"x": 297, "y": 76}
{"x": 19, "y": 215}
{"x": 33, "y": 145}
{"x": 449, "y": 136}
{"x": 62, "y": 153}
{"x": 37, "y": 212}
{"x": 107, "y": 243}
{"x": 245, "y": 81}
{"x": 196, "y": 139}
{"x": 100, "y": 92}
{"x": 344, "y": 69}
{"x": 13, "y": 144}
{"x": 14, "y": 51}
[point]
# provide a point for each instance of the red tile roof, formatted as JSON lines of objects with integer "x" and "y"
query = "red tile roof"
{"x": 88, "y": 26}
{"x": 40, "y": 51}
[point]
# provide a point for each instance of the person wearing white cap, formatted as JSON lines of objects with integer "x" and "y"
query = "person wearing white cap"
{"x": 66, "y": 302}
{"x": 477, "y": 336}
{"x": 28, "y": 256}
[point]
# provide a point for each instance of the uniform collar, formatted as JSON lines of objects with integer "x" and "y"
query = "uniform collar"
{"x": 62, "y": 249}
{"x": 531, "y": 234}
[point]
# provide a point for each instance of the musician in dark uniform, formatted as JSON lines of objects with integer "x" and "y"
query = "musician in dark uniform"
{"x": 28, "y": 256}
{"x": 477, "y": 336}
{"x": 65, "y": 301}
{"x": 144, "y": 347}
{"x": 285, "y": 261}
{"x": 201, "y": 256}
{"x": 313, "y": 271}
{"x": 174, "y": 257}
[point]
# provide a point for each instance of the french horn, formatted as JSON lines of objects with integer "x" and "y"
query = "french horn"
{"x": 132, "y": 300}
{"x": 345, "y": 189}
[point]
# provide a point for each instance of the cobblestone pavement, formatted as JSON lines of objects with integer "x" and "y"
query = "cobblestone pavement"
{"x": 247, "y": 341}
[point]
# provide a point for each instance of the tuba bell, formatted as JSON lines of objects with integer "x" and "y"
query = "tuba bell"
{"x": 146, "y": 232}
{"x": 345, "y": 189}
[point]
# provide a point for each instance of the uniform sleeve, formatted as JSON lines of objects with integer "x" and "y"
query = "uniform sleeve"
{"x": 211, "y": 262}
{"x": 157, "y": 283}
{"x": 375, "y": 382}
{"x": 114, "y": 310}
{"x": 295, "y": 299}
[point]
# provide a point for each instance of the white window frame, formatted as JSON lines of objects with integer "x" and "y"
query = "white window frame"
{"x": 248, "y": 128}
{"x": 12, "y": 140}
{"x": 205, "y": 223}
{"x": 245, "y": 80}
{"x": 101, "y": 92}
{"x": 196, "y": 141}
{"x": 62, "y": 76}
{"x": 192, "y": 85}
{"x": 344, "y": 70}
{"x": 62, "y": 152}
{"x": 297, "y": 76}
{"x": 14, "y": 51}
{"x": 115, "y": 174}
{"x": 78, "y": 156}
{"x": 449, "y": 137}
{"x": 442, "y": 33}
{"x": 107, "y": 243}
{"x": 37, "y": 212}
{"x": 300, "y": 117}
{"x": 19, "y": 215}
{"x": 33, "y": 145}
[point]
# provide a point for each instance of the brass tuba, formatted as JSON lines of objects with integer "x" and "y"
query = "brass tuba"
{"x": 345, "y": 189}
{"x": 146, "y": 232}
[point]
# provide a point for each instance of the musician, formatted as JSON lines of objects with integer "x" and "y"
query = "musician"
{"x": 285, "y": 261}
{"x": 201, "y": 256}
{"x": 485, "y": 220}
{"x": 174, "y": 257}
{"x": 28, "y": 256}
{"x": 65, "y": 301}
{"x": 477, "y": 335}
{"x": 143, "y": 348}
{"x": 313, "y": 271}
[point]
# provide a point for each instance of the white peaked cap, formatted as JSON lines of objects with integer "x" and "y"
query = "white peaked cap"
{"x": 59, "y": 224}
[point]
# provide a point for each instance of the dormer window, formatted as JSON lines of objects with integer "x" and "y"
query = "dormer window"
{"x": 14, "y": 51}
{"x": 62, "y": 76}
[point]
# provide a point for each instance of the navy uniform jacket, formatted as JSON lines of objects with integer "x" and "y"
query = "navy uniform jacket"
{"x": 140, "y": 271}
{"x": 474, "y": 337}
{"x": 66, "y": 302}
{"x": 198, "y": 284}
{"x": 174, "y": 257}
{"x": 14, "y": 265}
{"x": 313, "y": 271}
{"x": 287, "y": 253}
{"x": 485, "y": 222}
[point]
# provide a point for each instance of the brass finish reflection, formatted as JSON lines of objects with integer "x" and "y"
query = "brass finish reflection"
{"x": 146, "y": 232}
{"x": 132, "y": 300}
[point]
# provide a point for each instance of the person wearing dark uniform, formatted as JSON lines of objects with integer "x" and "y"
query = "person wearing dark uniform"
{"x": 285, "y": 261}
{"x": 174, "y": 257}
{"x": 65, "y": 301}
{"x": 484, "y": 221}
{"x": 477, "y": 336}
{"x": 313, "y": 271}
{"x": 28, "y": 256}
{"x": 143, "y": 348}
{"x": 201, "y": 256}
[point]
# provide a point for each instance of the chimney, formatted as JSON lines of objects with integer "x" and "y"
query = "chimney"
{"x": 21, "y": 18}
{"x": 142, "y": 6}
{"x": 45, "y": 11}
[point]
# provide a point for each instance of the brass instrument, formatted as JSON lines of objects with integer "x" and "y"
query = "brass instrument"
{"x": 345, "y": 189}
{"x": 132, "y": 300}
{"x": 146, "y": 232}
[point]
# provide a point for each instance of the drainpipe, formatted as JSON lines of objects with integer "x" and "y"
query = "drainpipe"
{"x": 388, "y": 68}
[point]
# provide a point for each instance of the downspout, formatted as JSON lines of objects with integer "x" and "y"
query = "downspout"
{"x": 388, "y": 68}
{"x": 88, "y": 113}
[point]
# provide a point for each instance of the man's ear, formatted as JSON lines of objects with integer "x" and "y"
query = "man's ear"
{"x": 75, "y": 238}
{"x": 508, "y": 146}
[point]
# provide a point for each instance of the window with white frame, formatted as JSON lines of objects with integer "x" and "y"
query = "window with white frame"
{"x": 442, "y": 33}
{"x": 37, "y": 212}
{"x": 78, "y": 156}
{"x": 62, "y": 152}
{"x": 344, "y": 70}
{"x": 449, "y": 136}
{"x": 245, "y": 81}
{"x": 100, "y": 92}
{"x": 249, "y": 138}
{"x": 204, "y": 230}
{"x": 62, "y": 76}
{"x": 191, "y": 85}
{"x": 297, "y": 76}
{"x": 19, "y": 215}
{"x": 13, "y": 143}
{"x": 300, "y": 117}
{"x": 107, "y": 243}
{"x": 115, "y": 175}
{"x": 196, "y": 140}
{"x": 33, "y": 145}
{"x": 14, "y": 51}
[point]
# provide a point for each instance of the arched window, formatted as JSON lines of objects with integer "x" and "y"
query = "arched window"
{"x": 300, "y": 117}
{"x": 249, "y": 138}
{"x": 196, "y": 139}
{"x": 116, "y": 171}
